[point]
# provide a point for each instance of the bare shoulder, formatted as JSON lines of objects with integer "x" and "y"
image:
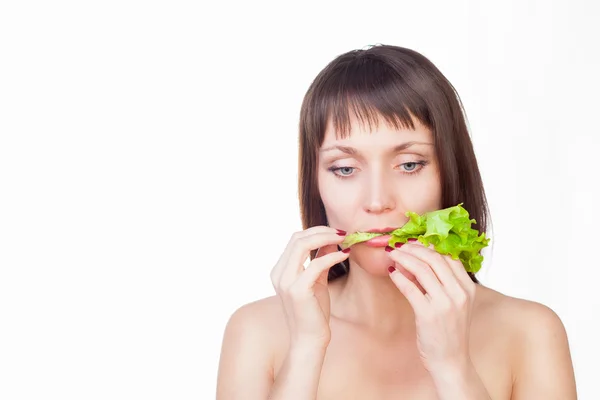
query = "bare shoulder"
{"x": 525, "y": 318}
{"x": 521, "y": 311}
{"x": 540, "y": 350}
{"x": 263, "y": 314}
{"x": 263, "y": 319}
{"x": 248, "y": 350}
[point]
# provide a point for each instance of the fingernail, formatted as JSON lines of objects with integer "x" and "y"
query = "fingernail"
{"x": 388, "y": 248}
{"x": 346, "y": 250}
{"x": 341, "y": 232}
{"x": 391, "y": 269}
{"x": 398, "y": 245}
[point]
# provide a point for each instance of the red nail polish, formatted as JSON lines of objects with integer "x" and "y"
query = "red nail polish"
{"x": 391, "y": 269}
{"x": 398, "y": 245}
{"x": 346, "y": 250}
{"x": 388, "y": 248}
{"x": 341, "y": 232}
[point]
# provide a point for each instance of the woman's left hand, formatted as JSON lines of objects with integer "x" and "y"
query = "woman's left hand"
{"x": 442, "y": 309}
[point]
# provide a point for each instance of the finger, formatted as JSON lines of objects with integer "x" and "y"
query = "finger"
{"x": 300, "y": 252}
{"x": 283, "y": 260}
{"x": 440, "y": 266}
{"x": 327, "y": 249}
{"x": 457, "y": 268}
{"x": 461, "y": 274}
{"x": 317, "y": 229}
{"x": 412, "y": 293}
{"x": 421, "y": 271}
{"x": 318, "y": 266}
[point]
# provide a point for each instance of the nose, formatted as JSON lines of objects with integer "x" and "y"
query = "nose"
{"x": 379, "y": 194}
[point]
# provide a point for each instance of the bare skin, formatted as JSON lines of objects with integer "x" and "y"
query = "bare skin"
{"x": 363, "y": 362}
{"x": 517, "y": 349}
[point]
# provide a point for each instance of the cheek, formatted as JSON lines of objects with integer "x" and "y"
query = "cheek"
{"x": 422, "y": 194}
{"x": 340, "y": 202}
{"x": 434, "y": 189}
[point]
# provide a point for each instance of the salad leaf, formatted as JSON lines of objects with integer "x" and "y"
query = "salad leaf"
{"x": 448, "y": 230}
{"x": 358, "y": 237}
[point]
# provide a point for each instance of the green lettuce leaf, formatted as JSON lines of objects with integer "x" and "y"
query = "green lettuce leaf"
{"x": 358, "y": 237}
{"x": 448, "y": 230}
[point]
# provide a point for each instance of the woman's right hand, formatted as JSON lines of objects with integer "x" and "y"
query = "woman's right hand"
{"x": 304, "y": 292}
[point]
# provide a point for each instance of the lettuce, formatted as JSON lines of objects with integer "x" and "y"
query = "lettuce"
{"x": 448, "y": 230}
{"x": 358, "y": 237}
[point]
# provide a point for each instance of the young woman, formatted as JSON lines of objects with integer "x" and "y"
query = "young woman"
{"x": 382, "y": 132}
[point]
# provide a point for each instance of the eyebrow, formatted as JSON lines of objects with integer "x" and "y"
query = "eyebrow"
{"x": 353, "y": 151}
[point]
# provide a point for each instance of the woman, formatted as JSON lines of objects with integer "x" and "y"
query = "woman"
{"x": 382, "y": 132}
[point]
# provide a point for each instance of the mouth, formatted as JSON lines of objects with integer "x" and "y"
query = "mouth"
{"x": 382, "y": 230}
{"x": 379, "y": 241}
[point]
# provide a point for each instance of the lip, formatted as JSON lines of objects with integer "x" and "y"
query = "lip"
{"x": 382, "y": 230}
{"x": 379, "y": 241}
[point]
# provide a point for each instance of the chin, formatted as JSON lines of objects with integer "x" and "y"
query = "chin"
{"x": 373, "y": 260}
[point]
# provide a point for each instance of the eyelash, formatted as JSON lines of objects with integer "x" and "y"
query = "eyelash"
{"x": 422, "y": 163}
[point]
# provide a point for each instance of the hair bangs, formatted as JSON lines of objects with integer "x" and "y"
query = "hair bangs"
{"x": 368, "y": 91}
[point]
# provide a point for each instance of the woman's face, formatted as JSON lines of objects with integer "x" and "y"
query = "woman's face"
{"x": 369, "y": 180}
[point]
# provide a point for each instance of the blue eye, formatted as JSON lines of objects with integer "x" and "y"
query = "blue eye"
{"x": 407, "y": 168}
{"x": 411, "y": 168}
{"x": 342, "y": 172}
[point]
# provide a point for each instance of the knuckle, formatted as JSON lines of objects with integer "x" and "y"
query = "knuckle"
{"x": 277, "y": 287}
{"x": 274, "y": 282}
{"x": 284, "y": 287}
{"x": 471, "y": 288}
{"x": 440, "y": 259}
{"x": 295, "y": 236}
{"x": 295, "y": 292}
{"x": 303, "y": 243}
{"x": 462, "y": 299}
{"x": 427, "y": 271}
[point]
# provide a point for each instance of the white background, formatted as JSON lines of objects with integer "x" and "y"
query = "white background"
{"x": 148, "y": 171}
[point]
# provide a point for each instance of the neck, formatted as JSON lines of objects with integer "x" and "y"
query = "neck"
{"x": 373, "y": 302}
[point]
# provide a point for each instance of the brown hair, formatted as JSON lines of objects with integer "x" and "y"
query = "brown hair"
{"x": 397, "y": 84}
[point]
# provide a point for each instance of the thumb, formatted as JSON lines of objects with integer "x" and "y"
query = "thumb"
{"x": 327, "y": 249}
{"x": 323, "y": 251}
